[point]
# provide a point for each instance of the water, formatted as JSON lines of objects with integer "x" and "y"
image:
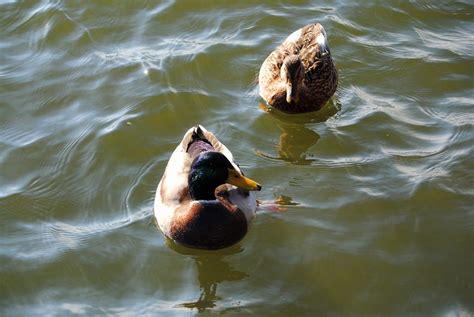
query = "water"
{"x": 95, "y": 96}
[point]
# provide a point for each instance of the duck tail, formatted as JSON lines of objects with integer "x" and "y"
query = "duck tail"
{"x": 198, "y": 132}
{"x": 322, "y": 39}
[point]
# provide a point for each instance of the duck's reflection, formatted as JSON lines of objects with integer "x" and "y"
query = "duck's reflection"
{"x": 212, "y": 269}
{"x": 295, "y": 141}
{"x": 295, "y": 138}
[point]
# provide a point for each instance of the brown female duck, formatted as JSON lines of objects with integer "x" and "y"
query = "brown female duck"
{"x": 299, "y": 75}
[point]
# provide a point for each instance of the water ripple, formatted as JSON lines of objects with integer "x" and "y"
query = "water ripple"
{"x": 460, "y": 42}
{"x": 50, "y": 240}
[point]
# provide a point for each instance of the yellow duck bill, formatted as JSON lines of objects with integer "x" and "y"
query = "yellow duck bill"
{"x": 237, "y": 179}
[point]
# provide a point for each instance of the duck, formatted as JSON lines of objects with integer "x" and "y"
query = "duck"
{"x": 299, "y": 76}
{"x": 203, "y": 199}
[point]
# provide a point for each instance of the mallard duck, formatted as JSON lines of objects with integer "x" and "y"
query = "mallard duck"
{"x": 203, "y": 199}
{"x": 299, "y": 75}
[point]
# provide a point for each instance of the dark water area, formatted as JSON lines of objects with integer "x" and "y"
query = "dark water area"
{"x": 94, "y": 97}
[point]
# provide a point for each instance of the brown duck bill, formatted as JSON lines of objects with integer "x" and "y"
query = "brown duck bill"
{"x": 236, "y": 179}
{"x": 291, "y": 93}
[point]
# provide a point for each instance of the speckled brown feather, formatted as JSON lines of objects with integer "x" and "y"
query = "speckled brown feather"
{"x": 320, "y": 78}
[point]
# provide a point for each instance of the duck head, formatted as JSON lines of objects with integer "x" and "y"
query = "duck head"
{"x": 292, "y": 74}
{"x": 212, "y": 169}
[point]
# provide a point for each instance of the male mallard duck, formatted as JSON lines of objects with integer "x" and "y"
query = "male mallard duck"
{"x": 203, "y": 199}
{"x": 299, "y": 75}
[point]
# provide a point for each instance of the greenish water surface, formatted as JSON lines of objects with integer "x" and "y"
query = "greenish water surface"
{"x": 94, "y": 97}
